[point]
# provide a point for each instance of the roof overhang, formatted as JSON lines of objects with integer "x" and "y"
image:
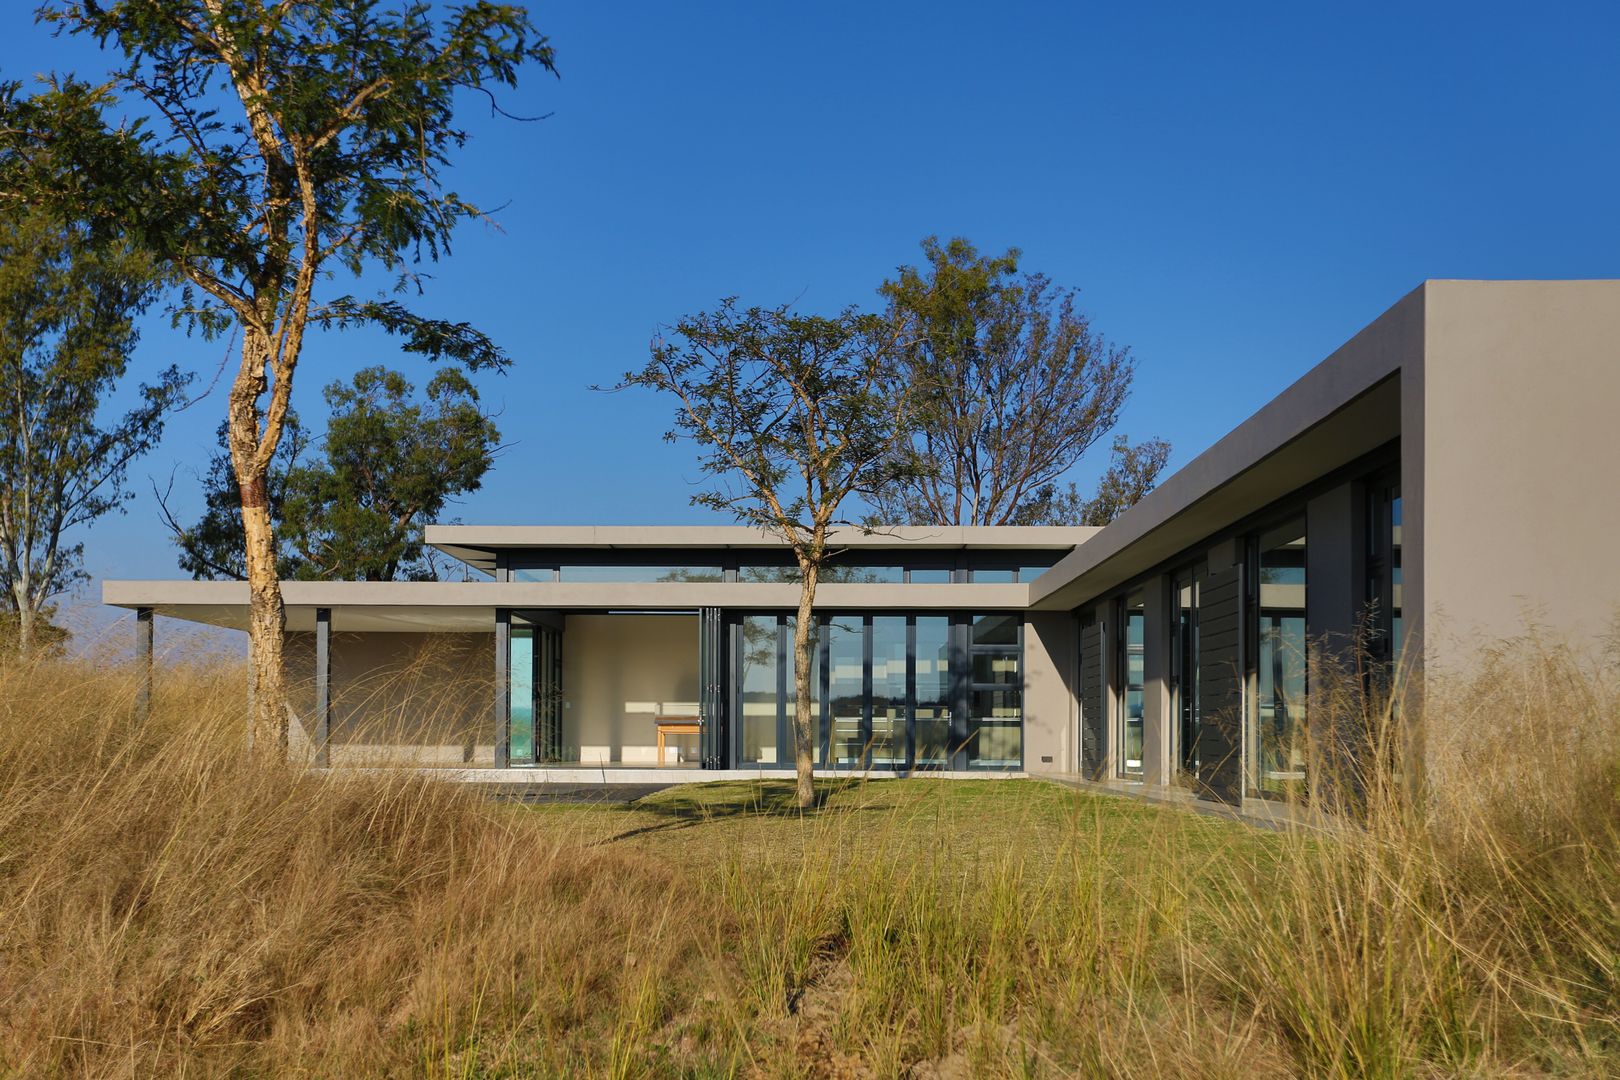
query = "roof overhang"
{"x": 1344, "y": 408}
{"x": 458, "y": 606}
{"x": 477, "y": 545}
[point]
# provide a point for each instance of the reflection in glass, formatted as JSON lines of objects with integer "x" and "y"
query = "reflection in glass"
{"x": 520, "y": 671}
{"x": 1132, "y": 684}
{"x": 888, "y": 743}
{"x": 932, "y": 575}
{"x": 845, "y": 688}
{"x": 995, "y": 728}
{"x": 1277, "y": 749}
{"x": 993, "y": 576}
{"x": 760, "y": 707}
{"x": 933, "y": 716}
{"x": 1396, "y": 639}
{"x": 638, "y": 574}
{"x": 995, "y": 630}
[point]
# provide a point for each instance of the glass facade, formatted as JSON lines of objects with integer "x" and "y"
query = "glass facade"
{"x": 1276, "y": 744}
{"x": 888, "y": 694}
{"x": 1132, "y": 684}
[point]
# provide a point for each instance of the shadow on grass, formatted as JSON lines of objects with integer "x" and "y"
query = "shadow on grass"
{"x": 712, "y": 803}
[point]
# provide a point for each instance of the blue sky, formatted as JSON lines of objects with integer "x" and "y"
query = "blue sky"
{"x": 1235, "y": 192}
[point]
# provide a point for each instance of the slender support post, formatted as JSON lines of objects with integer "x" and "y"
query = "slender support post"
{"x": 503, "y": 703}
{"x": 323, "y": 686}
{"x": 143, "y": 661}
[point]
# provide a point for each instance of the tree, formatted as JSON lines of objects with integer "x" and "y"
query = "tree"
{"x": 297, "y": 139}
{"x": 67, "y": 327}
{"x": 793, "y": 414}
{"x": 389, "y": 464}
{"x": 1013, "y": 386}
{"x": 1132, "y": 472}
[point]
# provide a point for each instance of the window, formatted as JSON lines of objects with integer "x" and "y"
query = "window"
{"x": 886, "y": 745}
{"x": 1276, "y": 745}
{"x": 533, "y": 573}
{"x": 846, "y": 689}
{"x": 638, "y": 574}
{"x": 931, "y": 730}
{"x": 995, "y": 721}
{"x": 759, "y": 690}
{"x": 1184, "y": 659}
{"x": 887, "y": 691}
{"x": 994, "y": 575}
{"x": 1132, "y": 683}
{"x": 1384, "y": 636}
{"x": 520, "y": 696}
{"x": 931, "y": 575}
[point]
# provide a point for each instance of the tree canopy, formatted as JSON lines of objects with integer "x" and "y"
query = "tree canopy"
{"x": 283, "y": 143}
{"x": 353, "y": 506}
{"x": 68, "y": 304}
{"x": 792, "y": 414}
{"x": 1013, "y": 386}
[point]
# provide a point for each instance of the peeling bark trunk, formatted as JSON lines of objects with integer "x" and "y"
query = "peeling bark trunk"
{"x": 250, "y": 453}
{"x": 804, "y": 728}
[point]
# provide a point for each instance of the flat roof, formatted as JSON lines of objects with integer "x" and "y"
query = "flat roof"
{"x": 476, "y": 545}
{"x": 470, "y": 605}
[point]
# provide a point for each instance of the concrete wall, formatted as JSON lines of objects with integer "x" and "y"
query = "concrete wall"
{"x": 1516, "y": 515}
{"x": 402, "y": 697}
{"x": 1051, "y": 670}
{"x": 619, "y": 671}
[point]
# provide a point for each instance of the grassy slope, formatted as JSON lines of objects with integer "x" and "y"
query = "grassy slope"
{"x": 169, "y": 906}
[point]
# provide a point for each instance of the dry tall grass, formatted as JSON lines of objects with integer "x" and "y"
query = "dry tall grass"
{"x": 168, "y": 908}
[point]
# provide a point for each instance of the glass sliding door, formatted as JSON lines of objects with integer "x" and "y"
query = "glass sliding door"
{"x": 1132, "y": 683}
{"x": 759, "y": 695}
{"x": 886, "y": 742}
{"x": 846, "y": 689}
{"x": 995, "y": 721}
{"x": 1276, "y": 745}
{"x": 931, "y": 724}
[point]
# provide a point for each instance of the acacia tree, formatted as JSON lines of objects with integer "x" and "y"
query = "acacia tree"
{"x": 67, "y": 327}
{"x": 792, "y": 414}
{"x": 292, "y": 140}
{"x": 1013, "y": 387}
{"x": 388, "y": 464}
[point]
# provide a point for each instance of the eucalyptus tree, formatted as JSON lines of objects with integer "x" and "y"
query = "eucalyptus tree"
{"x": 68, "y": 306}
{"x": 1013, "y": 386}
{"x": 352, "y": 505}
{"x": 285, "y": 143}
{"x": 792, "y": 415}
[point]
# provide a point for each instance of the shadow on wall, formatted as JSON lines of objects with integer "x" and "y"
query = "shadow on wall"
{"x": 400, "y": 698}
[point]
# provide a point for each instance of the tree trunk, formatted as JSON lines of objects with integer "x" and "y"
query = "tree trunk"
{"x": 25, "y": 627}
{"x": 804, "y": 727}
{"x": 267, "y": 624}
{"x": 267, "y": 619}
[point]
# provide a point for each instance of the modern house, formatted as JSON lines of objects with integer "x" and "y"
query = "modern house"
{"x": 1447, "y": 476}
